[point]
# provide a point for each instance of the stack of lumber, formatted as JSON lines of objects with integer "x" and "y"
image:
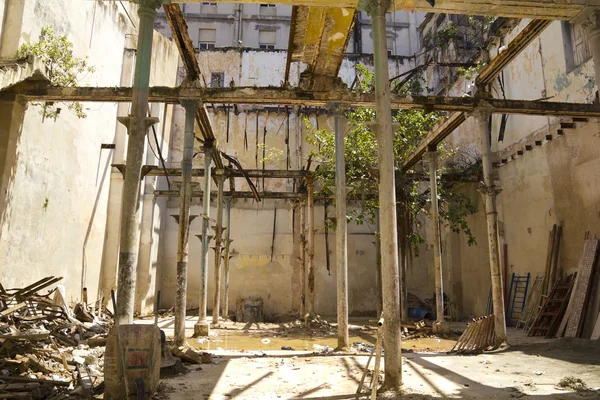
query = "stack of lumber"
{"x": 47, "y": 347}
{"x": 582, "y": 316}
{"x": 478, "y": 337}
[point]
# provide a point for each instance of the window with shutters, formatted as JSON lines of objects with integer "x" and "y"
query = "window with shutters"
{"x": 268, "y": 10}
{"x": 266, "y": 39}
{"x": 207, "y": 39}
{"x": 208, "y": 7}
{"x": 390, "y": 45}
{"x": 577, "y": 48}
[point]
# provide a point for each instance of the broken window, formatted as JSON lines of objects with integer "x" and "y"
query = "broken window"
{"x": 207, "y": 39}
{"x": 577, "y": 48}
{"x": 268, "y": 10}
{"x": 267, "y": 40}
{"x": 208, "y": 7}
{"x": 217, "y": 79}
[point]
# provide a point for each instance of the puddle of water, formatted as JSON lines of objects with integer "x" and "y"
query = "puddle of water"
{"x": 226, "y": 340}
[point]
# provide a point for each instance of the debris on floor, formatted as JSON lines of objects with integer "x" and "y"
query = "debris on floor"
{"x": 478, "y": 337}
{"x": 572, "y": 383}
{"x": 49, "y": 349}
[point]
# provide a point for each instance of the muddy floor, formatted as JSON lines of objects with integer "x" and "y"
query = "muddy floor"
{"x": 248, "y": 363}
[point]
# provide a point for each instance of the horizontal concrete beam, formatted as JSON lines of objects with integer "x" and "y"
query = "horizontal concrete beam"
{"x": 295, "y": 97}
{"x": 538, "y": 9}
{"x": 235, "y": 195}
{"x": 228, "y": 173}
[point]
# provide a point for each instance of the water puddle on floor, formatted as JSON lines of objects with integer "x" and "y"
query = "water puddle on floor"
{"x": 226, "y": 340}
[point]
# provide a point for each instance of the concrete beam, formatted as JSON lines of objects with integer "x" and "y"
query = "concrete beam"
{"x": 296, "y": 97}
{"x": 152, "y": 170}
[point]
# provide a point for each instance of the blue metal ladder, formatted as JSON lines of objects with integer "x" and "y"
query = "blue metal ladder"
{"x": 516, "y": 298}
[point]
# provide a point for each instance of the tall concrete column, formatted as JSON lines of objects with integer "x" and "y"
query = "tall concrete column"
{"x": 226, "y": 259}
{"x": 185, "y": 194}
{"x": 202, "y": 327}
{"x": 218, "y": 236}
{"x": 110, "y": 250}
{"x": 341, "y": 231}
{"x": 489, "y": 192}
{"x": 302, "y": 261}
{"x": 592, "y": 24}
{"x": 387, "y": 198}
{"x": 146, "y": 280}
{"x": 137, "y": 125}
{"x": 310, "y": 247}
{"x": 440, "y": 325}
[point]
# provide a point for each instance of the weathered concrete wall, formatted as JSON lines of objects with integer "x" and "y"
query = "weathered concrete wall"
{"x": 57, "y": 177}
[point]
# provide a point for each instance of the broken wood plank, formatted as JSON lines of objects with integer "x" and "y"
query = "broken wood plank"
{"x": 27, "y": 379}
{"x": 12, "y": 309}
{"x": 32, "y": 334}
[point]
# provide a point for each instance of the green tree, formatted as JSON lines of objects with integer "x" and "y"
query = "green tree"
{"x": 362, "y": 175}
{"x": 62, "y": 68}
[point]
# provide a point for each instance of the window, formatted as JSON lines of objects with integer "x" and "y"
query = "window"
{"x": 266, "y": 40}
{"x": 390, "y": 45}
{"x": 268, "y": 10}
{"x": 217, "y": 79}
{"x": 577, "y": 48}
{"x": 207, "y": 39}
{"x": 208, "y": 7}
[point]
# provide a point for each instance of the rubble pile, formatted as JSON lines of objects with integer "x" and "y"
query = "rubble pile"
{"x": 48, "y": 349}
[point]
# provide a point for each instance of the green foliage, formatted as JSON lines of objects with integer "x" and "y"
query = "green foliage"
{"x": 472, "y": 72}
{"x": 362, "y": 174}
{"x": 62, "y": 68}
{"x": 441, "y": 38}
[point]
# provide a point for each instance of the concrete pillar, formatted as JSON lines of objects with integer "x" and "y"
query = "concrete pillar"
{"x": 185, "y": 193}
{"x": 341, "y": 232}
{"x": 302, "y": 261}
{"x": 110, "y": 251}
{"x": 146, "y": 280}
{"x": 592, "y": 24}
{"x": 11, "y": 122}
{"x": 298, "y": 261}
{"x": 489, "y": 193}
{"x": 226, "y": 259}
{"x": 15, "y": 12}
{"x": 440, "y": 325}
{"x": 202, "y": 327}
{"x": 387, "y": 198}
{"x": 310, "y": 247}
{"x": 137, "y": 126}
{"x": 218, "y": 236}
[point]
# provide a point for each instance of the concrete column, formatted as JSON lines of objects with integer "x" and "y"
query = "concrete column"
{"x": 302, "y": 261}
{"x": 145, "y": 279}
{"x": 110, "y": 251}
{"x": 226, "y": 259}
{"x": 387, "y": 198}
{"x": 440, "y": 325}
{"x": 310, "y": 247}
{"x": 218, "y": 236}
{"x": 489, "y": 193}
{"x": 341, "y": 232}
{"x": 592, "y": 24}
{"x": 137, "y": 125}
{"x": 15, "y": 12}
{"x": 202, "y": 327}
{"x": 185, "y": 193}
{"x": 298, "y": 267}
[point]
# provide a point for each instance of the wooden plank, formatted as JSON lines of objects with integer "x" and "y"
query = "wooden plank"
{"x": 596, "y": 333}
{"x": 41, "y": 381}
{"x": 581, "y": 288}
{"x": 12, "y": 309}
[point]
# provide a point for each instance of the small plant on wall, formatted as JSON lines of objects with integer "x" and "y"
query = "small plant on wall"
{"x": 62, "y": 68}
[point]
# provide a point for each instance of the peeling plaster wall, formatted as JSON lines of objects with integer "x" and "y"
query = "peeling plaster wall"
{"x": 54, "y": 214}
{"x": 551, "y": 184}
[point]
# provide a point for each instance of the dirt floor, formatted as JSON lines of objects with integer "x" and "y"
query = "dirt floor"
{"x": 248, "y": 363}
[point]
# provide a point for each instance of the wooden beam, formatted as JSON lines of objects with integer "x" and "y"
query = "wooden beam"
{"x": 295, "y": 97}
{"x": 229, "y": 173}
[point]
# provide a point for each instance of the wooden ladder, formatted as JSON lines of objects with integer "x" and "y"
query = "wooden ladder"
{"x": 546, "y": 323}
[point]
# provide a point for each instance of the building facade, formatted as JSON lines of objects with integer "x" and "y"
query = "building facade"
{"x": 267, "y": 26}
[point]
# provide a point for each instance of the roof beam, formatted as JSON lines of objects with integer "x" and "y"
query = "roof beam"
{"x": 295, "y": 97}
{"x": 151, "y": 170}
